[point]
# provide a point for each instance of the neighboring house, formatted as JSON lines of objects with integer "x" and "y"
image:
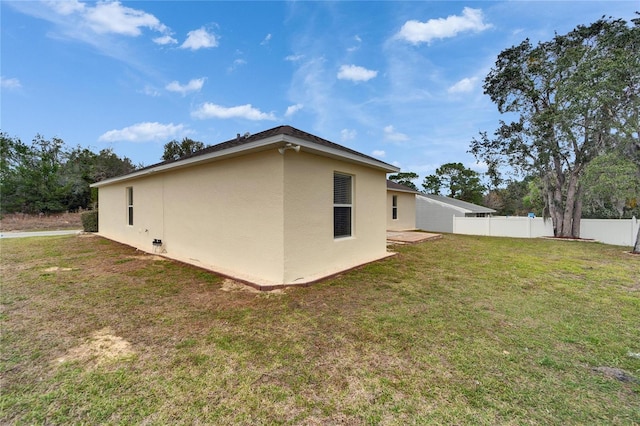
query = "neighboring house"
{"x": 279, "y": 207}
{"x": 401, "y": 207}
{"x": 435, "y": 212}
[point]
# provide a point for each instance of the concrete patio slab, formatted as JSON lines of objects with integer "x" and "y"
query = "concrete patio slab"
{"x": 410, "y": 237}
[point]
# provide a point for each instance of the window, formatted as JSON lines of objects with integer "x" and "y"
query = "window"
{"x": 342, "y": 205}
{"x": 130, "y": 205}
{"x": 394, "y": 207}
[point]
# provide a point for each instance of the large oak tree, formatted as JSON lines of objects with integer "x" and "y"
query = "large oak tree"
{"x": 575, "y": 97}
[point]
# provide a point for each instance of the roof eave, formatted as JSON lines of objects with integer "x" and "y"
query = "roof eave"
{"x": 410, "y": 191}
{"x": 341, "y": 155}
{"x": 459, "y": 208}
{"x": 258, "y": 145}
{"x": 442, "y": 203}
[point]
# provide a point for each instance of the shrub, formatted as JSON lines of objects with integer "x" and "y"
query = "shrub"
{"x": 90, "y": 221}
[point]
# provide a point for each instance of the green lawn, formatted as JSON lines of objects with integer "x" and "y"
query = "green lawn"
{"x": 462, "y": 330}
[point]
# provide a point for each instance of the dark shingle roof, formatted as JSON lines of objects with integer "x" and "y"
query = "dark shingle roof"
{"x": 398, "y": 187}
{"x": 280, "y": 130}
{"x": 473, "y": 208}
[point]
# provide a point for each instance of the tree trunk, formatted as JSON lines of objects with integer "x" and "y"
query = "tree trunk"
{"x": 557, "y": 212}
{"x": 552, "y": 214}
{"x": 570, "y": 208}
{"x": 550, "y": 204}
{"x": 636, "y": 248}
{"x": 555, "y": 203}
{"x": 577, "y": 214}
{"x": 559, "y": 218}
{"x": 558, "y": 179}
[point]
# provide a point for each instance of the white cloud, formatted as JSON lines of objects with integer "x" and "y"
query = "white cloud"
{"x": 379, "y": 153}
{"x": 150, "y": 91}
{"x": 293, "y": 58}
{"x": 292, "y": 109}
{"x": 463, "y": 86}
{"x": 144, "y": 132}
{"x": 358, "y": 41}
{"x": 355, "y": 73}
{"x": 192, "y": 86}
{"x": 266, "y": 40}
{"x": 236, "y": 63}
{"x": 348, "y": 134}
{"x": 390, "y": 134}
{"x": 66, "y": 7}
{"x": 209, "y": 110}
{"x": 100, "y": 25}
{"x": 166, "y": 39}
{"x": 423, "y": 32}
{"x": 312, "y": 85}
{"x": 199, "y": 39}
{"x": 115, "y": 18}
{"x": 10, "y": 83}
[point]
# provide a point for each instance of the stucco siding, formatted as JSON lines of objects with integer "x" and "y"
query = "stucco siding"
{"x": 406, "y": 219}
{"x": 147, "y": 213}
{"x": 231, "y": 221}
{"x": 226, "y": 216}
{"x": 311, "y": 251}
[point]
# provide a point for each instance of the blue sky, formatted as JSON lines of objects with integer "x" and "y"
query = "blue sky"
{"x": 401, "y": 81}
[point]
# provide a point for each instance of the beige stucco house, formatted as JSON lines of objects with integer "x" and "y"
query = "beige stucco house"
{"x": 401, "y": 207}
{"x": 280, "y": 207}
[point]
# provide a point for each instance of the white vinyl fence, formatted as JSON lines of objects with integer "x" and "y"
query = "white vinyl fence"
{"x": 620, "y": 232}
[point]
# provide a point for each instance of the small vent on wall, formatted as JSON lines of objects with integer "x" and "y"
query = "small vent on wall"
{"x": 158, "y": 246}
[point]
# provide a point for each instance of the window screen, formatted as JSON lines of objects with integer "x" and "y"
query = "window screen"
{"x": 342, "y": 205}
{"x": 394, "y": 207}
{"x": 130, "y": 205}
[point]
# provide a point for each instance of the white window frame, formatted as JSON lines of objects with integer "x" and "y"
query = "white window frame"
{"x": 343, "y": 205}
{"x": 394, "y": 207}
{"x": 129, "y": 193}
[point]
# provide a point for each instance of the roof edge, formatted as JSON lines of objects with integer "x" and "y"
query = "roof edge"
{"x": 398, "y": 187}
{"x": 442, "y": 203}
{"x": 480, "y": 209}
{"x": 284, "y": 134}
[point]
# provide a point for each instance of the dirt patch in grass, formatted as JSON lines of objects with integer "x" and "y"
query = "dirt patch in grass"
{"x": 58, "y": 269}
{"x": 25, "y": 222}
{"x": 231, "y": 285}
{"x": 100, "y": 348}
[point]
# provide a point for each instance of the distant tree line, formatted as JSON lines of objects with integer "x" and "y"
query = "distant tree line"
{"x": 611, "y": 188}
{"x": 47, "y": 177}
